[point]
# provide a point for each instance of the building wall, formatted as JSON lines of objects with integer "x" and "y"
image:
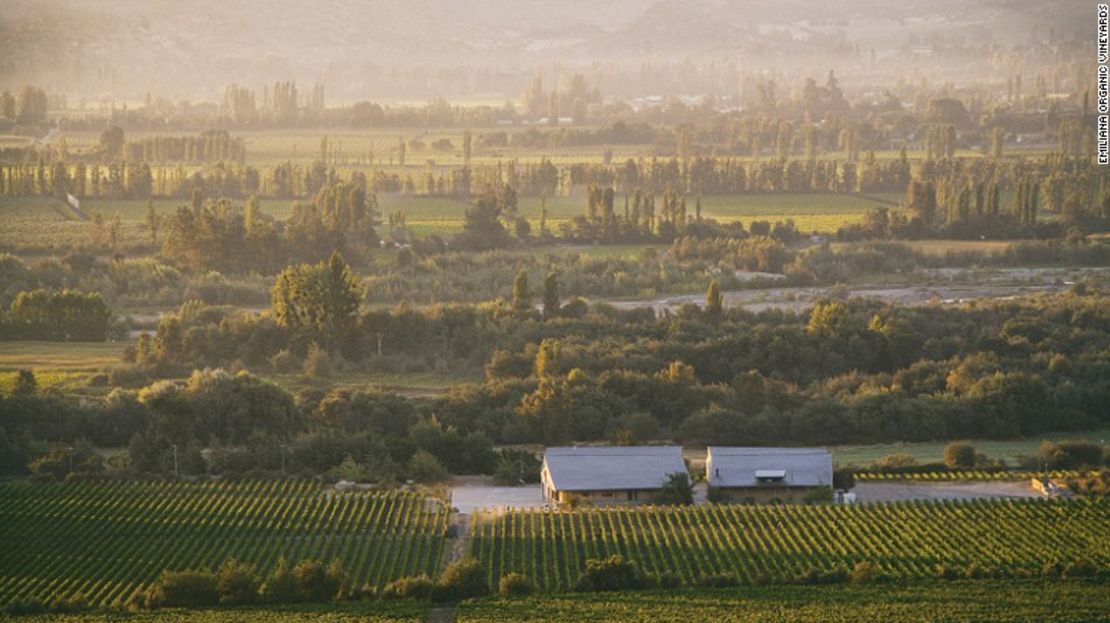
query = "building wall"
{"x": 609, "y": 498}
{"x": 766, "y": 494}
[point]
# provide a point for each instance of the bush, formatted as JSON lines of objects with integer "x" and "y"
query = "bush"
{"x": 317, "y": 363}
{"x": 898, "y": 459}
{"x": 1070, "y": 454}
{"x": 410, "y": 587}
{"x": 313, "y": 581}
{"x": 820, "y": 495}
{"x": 667, "y": 579}
{"x": 424, "y": 467}
{"x": 819, "y": 576}
{"x": 1080, "y": 568}
{"x": 25, "y": 606}
{"x": 716, "y": 580}
{"x": 611, "y": 574}
{"x": 865, "y": 571}
{"x": 237, "y": 583}
{"x": 280, "y": 588}
{"x": 514, "y": 585}
{"x": 676, "y": 490}
{"x": 959, "y": 455}
{"x": 189, "y": 589}
{"x": 462, "y": 579}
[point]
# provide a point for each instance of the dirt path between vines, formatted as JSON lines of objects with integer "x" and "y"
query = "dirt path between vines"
{"x": 454, "y": 549}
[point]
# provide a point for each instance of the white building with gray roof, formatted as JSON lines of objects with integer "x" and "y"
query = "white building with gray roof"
{"x": 609, "y": 475}
{"x": 765, "y": 474}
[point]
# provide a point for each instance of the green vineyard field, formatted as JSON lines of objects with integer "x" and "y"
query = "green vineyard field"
{"x": 752, "y": 543}
{"x": 1000, "y": 601}
{"x": 107, "y": 540}
{"x": 966, "y": 475}
{"x": 377, "y": 612}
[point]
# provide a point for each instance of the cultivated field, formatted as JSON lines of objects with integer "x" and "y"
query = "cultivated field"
{"x": 108, "y": 540}
{"x": 966, "y": 602}
{"x": 780, "y": 543}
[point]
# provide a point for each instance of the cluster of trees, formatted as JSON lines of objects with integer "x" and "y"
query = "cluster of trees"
{"x": 57, "y": 316}
{"x": 221, "y": 236}
{"x": 28, "y": 109}
{"x": 850, "y": 370}
{"x": 237, "y": 583}
{"x": 207, "y": 147}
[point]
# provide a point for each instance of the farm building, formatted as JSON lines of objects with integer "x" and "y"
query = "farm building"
{"x": 765, "y": 474}
{"x": 615, "y": 475}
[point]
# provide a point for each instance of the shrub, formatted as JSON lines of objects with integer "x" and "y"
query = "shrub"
{"x": 668, "y": 579}
{"x": 898, "y": 459}
{"x": 820, "y": 495}
{"x": 716, "y": 580}
{"x": 865, "y": 571}
{"x": 462, "y": 579}
{"x": 236, "y": 583}
{"x": 317, "y": 363}
{"x": 948, "y": 572}
{"x": 676, "y": 490}
{"x": 959, "y": 455}
{"x": 280, "y": 588}
{"x": 515, "y": 585}
{"x": 1080, "y": 568}
{"x": 313, "y": 581}
{"x": 716, "y": 496}
{"x": 611, "y": 574}
{"x": 425, "y": 467}
{"x": 1070, "y": 454}
{"x": 25, "y": 606}
{"x": 190, "y": 589}
{"x": 410, "y": 587}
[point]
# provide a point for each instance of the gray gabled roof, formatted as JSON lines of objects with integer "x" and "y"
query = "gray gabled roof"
{"x": 612, "y": 468}
{"x": 737, "y": 467}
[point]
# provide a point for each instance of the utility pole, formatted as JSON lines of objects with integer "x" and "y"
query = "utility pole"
{"x": 176, "y": 474}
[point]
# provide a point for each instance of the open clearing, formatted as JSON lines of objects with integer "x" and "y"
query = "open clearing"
{"x": 70, "y": 356}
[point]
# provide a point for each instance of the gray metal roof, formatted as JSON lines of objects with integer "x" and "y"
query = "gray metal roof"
{"x": 612, "y": 468}
{"x": 737, "y": 467}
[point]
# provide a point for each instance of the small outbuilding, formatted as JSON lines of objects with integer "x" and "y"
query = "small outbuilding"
{"x": 766, "y": 474}
{"x": 609, "y": 475}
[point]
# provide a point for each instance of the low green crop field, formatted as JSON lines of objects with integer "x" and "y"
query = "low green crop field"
{"x": 779, "y": 543}
{"x": 378, "y": 612}
{"x": 59, "y": 356}
{"x": 1058, "y": 601}
{"x": 108, "y": 540}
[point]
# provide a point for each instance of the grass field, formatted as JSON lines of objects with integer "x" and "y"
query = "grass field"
{"x": 779, "y": 543}
{"x": 59, "y": 356}
{"x": 933, "y": 452}
{"x": 107, "y": 540}
{"x": 1059, "y": 601}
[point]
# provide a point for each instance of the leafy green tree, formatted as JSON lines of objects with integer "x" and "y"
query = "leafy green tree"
{"x": 522, "y": 296}
{"x": 425, "y": 467}
{"x": 959, "y": 455}
{"x": 676, "y": 490}
{"x": 551, "y": 296}
{"x": 280, "y": 587}
{"x": 463, "y": 579}
{"x": 185, "y": 589}
{"x": 237, "y": 583}
{"x": 714, "y": 302}
{"x": 320, "y": 300}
